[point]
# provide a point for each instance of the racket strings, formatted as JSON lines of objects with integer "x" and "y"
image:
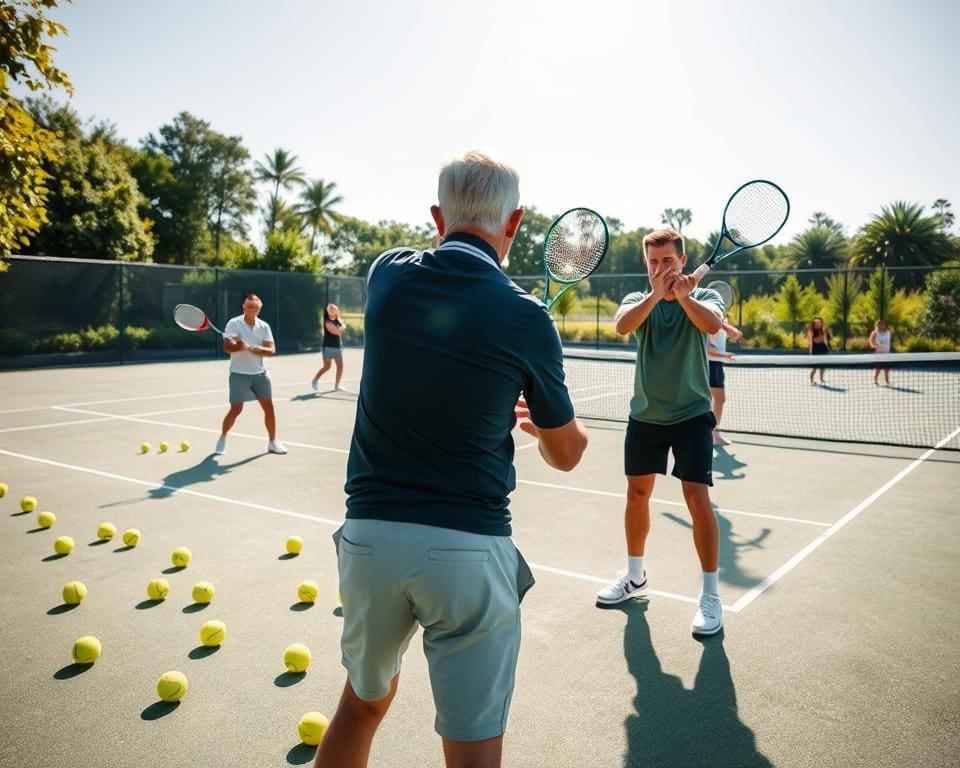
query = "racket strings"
{"x": 575, "y": 245}
{"x": 189, "y": 317}
{"x": 755, "y": 213}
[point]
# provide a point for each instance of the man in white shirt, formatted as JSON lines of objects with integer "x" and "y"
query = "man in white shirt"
{"x": 248, "y": 339}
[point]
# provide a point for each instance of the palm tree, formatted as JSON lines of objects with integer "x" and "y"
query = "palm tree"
{"x": 944, "y": 215}
{"x": 676, "y": 217}
{"x": 819, "y": 247}
{"x": 820, "y": 219}
{"x": 316, "y": 210}
{"x": 901, "y": 235}
{"x": 278, "y": 214}
{"x": 281, "y": 170}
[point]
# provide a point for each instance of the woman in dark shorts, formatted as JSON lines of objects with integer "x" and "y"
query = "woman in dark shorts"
{"x": 716, "y": 354}
{"x": 818, "y": 343}
{"x": 333, "y": 328}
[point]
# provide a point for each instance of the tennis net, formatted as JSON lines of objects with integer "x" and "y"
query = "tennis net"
{"x": 773, "y": 395}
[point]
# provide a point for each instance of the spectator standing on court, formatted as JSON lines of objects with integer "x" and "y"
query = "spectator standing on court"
{"x": 248, "y": 339}
{"x": 427, "y": 539}
{"x": 716, "y": 354}
{"x": 818, "y": 343}
{"x": 671, "y": 410}
{"x": 881, "y": 342}
{"x": 333, "y": 328}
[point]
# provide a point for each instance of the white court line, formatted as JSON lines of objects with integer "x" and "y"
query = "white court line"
{"x": 55, "y": 424}
{"x": 608, "y": 393}
{"x": 725, "y": 511}
{"x": 794, "y": 561}
{"x": 221, "y": 406}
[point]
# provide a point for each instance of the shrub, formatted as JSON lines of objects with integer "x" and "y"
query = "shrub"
{"x": 15, "y": 342}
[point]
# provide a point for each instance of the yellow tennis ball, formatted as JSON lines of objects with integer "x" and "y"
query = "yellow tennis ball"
{"x": 203, "y": 592}
{"x": 158, "y": 589}
{"x": 164, "y": 446}
{"x": 312, "y": 727}
{"x": 339, "y": 599}
{"x": 131, "y": 537}
{"x": 172, "y": 686}
{"x": 185, "y": 446}
{"x": 144, "y": 447}
{"x": 297, "y": 658}
{"x": 74, "y": 592}
{"x": 213, "y": 633}
{"x": 63, "y": 545}
{"x": 308, "y": 591}
{"x": 106, "y": 531}
{"x": 86, "y": 650}
{"x": 294, "y": 545}
{"x": 181, "y": 557}
{"x": 46, "y": 519}
{"x": 3, "y": 489}
{"x": 28, "y": 503}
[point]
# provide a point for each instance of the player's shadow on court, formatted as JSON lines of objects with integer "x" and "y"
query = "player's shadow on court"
{"x": 673, "y": 726}
{"x": 731, "y": 546}
{"x": 727, "y": 464}
{"x": 204, "y": 472}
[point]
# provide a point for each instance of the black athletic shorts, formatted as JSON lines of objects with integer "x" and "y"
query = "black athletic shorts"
{"x": 646, "y": 447}
{"x": 716, "y": 375}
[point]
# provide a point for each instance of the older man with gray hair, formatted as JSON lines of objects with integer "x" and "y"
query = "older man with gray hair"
{"x": 426, "y": 542}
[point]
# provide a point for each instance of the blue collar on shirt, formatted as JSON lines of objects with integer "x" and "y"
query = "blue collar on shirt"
{"x": 473, "y": 245}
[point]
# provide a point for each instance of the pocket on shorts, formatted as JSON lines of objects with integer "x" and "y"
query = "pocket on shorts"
{"x": 357, "y": 550}
{"x": 460, "y": 555}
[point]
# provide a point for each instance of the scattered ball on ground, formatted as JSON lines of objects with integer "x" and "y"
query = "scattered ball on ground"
{"x": 294, "y": 545}
{"x": 106, "y": 531}
{"x": 3, "y": 489}
{"x": 172, "y": 686}
{"x": 28, "y": 503}
{"x": 63, "y": 545}
{"x": 86, "y": 650}
{"x": 308, "y": 591}
{"x": 184, "y": 446}
{"x": 181, "y": 557}
{"x": 158, "y": 589}
{"x": 213, "y": 633}
{"x": 312, "y": 727}
{"x": 297, "y": 658}
{"x": 164, "y": 446}
{"x": 74, "y": 592}
{"x": 203, "y": 592}
{"x": 144, "y": 447}
{"x": 46, "y": 519}
{"x": 339, "y": 600}
{"x": 131, "y": 537}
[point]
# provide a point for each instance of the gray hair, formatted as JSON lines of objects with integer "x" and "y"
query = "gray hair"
{"x": 478, "y": 191}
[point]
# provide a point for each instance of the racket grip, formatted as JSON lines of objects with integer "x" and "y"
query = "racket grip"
{"x": 700, "y": 271}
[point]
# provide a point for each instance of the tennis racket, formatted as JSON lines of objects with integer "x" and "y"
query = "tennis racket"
{"x": 726, "y": 293}
{"x": 752, "y": 216}
{"x": 192, "y": 318}
{"x": 573, "y": 249}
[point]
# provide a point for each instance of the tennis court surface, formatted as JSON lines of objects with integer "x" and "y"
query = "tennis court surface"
{"x": 840, "y": 566}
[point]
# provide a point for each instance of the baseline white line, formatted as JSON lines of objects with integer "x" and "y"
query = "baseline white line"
{"x": 171, "y": 488}
{"x": 55, "y": 424}
{"x": 794, "y": 561}
{"x": 724, "y": 510}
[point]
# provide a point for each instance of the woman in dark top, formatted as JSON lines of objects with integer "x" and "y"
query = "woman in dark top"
{"x": 818, "y": 343}
{"x": 333, "y": 328}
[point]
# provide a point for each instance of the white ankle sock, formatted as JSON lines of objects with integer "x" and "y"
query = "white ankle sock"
{"x": 711, "y": 584}
{"x": 635, "y": 569}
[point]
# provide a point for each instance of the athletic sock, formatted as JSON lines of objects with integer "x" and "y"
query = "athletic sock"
{"x": 711, "y": 583}
{"x": 635, "y": 569}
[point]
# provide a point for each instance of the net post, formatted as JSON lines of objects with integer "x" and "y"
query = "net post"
{"x": 217, "y": 342}
{"x": 846, "y": 312}
{"x": 121, "y": 341}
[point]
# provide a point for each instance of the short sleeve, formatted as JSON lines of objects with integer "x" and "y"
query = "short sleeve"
{"x": 544, "y": 388}
{"x": 231, "y": 328}
{"x": 633, "y": 298}
{"x": 267, "y": 332}
{"x": 710, "y": 297}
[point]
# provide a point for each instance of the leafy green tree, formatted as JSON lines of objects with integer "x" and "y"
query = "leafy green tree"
{"x": 820, "y": 219}
{"x": 901, "y": 235}
{"x": 526, "y": 253}
{"x": 941, "y": 313}
{"x": 567, "y": 304}
{"x": 842, "y": 292}
{"x": 943, "y": 215}
{"x": 796, "y": 305}
{"x": 819, "y": 247}
{"x": 316, "y": 208}
{"x": 355, "y": 244}
{"x": 232, "y": 196}
{"x": 25, "y": 59}
{"x": 880, "y": 300}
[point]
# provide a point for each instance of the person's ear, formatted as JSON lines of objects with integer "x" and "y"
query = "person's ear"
{"x": 438, "y": 220}
{"x": 513, "y": 223}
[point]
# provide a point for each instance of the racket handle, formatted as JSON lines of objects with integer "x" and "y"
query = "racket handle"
{"x": 700, "y": 271}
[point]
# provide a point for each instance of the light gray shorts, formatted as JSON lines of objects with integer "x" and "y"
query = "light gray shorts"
{"x": 245, "y": 387}
{"x": 464, "y": 589}
{"x": 332, "y": 353}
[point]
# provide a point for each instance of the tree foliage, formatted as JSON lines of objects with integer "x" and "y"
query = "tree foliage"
{"x": 901, "y": 235}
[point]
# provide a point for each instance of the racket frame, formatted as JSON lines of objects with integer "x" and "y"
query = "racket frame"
{"x": 567, "y": 284}
{"x": 206, "y": 326}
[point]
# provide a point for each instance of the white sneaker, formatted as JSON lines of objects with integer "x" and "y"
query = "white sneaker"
{"x": 709, "y": 616}
{"x": 221, "y": 447}
{"x": 622, "y": 589}
{"x": 315, "y": 383}
{"x": 719, "y": 438}
{"x": 275, "y": 446}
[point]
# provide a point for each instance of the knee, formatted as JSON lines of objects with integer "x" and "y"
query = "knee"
{"x": 235, "y": 409}
{"x": 637, "y": 494}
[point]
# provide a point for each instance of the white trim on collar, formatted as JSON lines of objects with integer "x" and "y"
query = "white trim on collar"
{"x": 460, "y": 245}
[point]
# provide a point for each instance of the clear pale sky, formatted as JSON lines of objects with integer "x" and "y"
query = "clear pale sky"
{"x": 627, "y": 106}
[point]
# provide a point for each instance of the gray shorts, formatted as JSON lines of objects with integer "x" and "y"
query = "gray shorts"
{"x": 464, "y": 589}
{"x": 332, "y": 353}
{"x": 245, "y": 387}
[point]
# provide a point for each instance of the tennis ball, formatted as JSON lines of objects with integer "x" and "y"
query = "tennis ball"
{"x": 294, "y": 545}
{"x": 164, "y": 446}
{"x": 74, "y": 592}
{"x": 312, "y": 727}
{"x": 106, "y": 531}
{"x": 181, "y": 557}
{"x": 63, "y": 545}
{"x": 308, "y": 591}
{"x": 184, "y": 446}
{"x": 203, "y": 592}
{"x": 297, "y": 658}
{"x": 213, "y": 633}
{"x": 3, "y": 489}
{"x": 46, "y": 519}
{"x": 172, "y": 686}
{"x": 158, "y": 589}
{"x": 131, "y": 537}
{"x": 339, "y": 599}
{"x": 86, "y": 650}
{"x": 28, "y": 503}
{"x": 144, "y": 447}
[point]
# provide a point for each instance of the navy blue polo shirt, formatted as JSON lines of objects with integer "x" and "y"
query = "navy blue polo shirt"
{"x": 450, "y": 343}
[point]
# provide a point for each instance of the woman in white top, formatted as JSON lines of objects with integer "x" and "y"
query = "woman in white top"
{"x": 716, "y": 354}
{"x": 881, "y": 342}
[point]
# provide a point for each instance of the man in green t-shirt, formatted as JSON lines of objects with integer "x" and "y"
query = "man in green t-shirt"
{"x": 671, "y": 410}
